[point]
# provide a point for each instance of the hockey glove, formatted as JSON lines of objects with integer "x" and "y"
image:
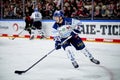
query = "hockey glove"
{"x": 58, "y": 45}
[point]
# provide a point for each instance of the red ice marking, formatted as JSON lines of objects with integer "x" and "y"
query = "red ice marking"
{"x": 4, "y": 35}
{"x": 15, "y": 35}
{"x": 109, "y": 72}
{"x": 99, "y": 39}
{"x": 116, "y": 40}
{"x": 84, "y": 39}
{"x": 39, "y": 37}
{"x": 27, "y": 36}
{"x": 51, "y": 37}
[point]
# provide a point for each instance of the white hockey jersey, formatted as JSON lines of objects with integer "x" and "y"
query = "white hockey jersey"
{"x": 64, "y": 30}
{"x": 36, "y": 16}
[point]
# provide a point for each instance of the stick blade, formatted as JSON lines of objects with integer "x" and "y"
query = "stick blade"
{"x": 19, "y": 72}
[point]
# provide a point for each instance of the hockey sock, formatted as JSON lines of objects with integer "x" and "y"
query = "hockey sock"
{"x": 87, "y": 53}
{"x": 71, "y": 56}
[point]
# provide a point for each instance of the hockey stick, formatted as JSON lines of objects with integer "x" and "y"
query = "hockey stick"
{"x": 12, "y": 38}
{"x": 20, "y": 72}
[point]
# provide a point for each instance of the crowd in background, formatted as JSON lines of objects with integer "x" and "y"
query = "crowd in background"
{"x": 83, "y": 9}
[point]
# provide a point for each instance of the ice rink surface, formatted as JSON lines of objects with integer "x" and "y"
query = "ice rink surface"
{"x": 20, "y": 54}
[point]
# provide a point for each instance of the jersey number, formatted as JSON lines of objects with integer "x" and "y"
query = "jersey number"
{"x": 36, "y": 15}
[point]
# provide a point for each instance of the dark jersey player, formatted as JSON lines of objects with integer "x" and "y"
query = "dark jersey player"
{"x": 28, "y": 22}
{"x": 64, "y": 28}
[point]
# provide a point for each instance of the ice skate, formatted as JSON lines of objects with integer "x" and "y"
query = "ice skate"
{"x": 95, "y": 61}
{"x": 75, "y": 64}
{"x": 32, "y": 37}
{"x": 42, "y": 37}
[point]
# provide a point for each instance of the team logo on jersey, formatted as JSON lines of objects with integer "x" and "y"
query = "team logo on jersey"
{"x": 68, "y": 27}
{"x": 63, "y": 29}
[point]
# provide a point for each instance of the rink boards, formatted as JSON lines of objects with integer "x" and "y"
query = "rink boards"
{"x": 91, "y": 30}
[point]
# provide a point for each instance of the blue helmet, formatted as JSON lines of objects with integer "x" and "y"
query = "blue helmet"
{"x": 58, "y": 14}
{"x": 35, "y": 9}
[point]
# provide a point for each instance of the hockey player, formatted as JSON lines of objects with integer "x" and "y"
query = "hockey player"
{"x": 62, "y": 29}
{"x": 37, "y": 17}
{"x": 28, "y": 22}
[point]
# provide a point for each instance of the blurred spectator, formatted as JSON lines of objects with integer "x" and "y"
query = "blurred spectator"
{"x": 83, "y": 12}
{"x": 80, "y": 3}
{"x": 103, "y": 11}
{"x": 12, "y": 9}
{"x": 15, "y": 9}
{"x": 74, "y": 12}
{"x": 0, "y": 9}
{"x": 97, "y": 12}
{"x": 29, "y": 8}
{"x": 118, "y": 11}
{"x": 68, "y": 12}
